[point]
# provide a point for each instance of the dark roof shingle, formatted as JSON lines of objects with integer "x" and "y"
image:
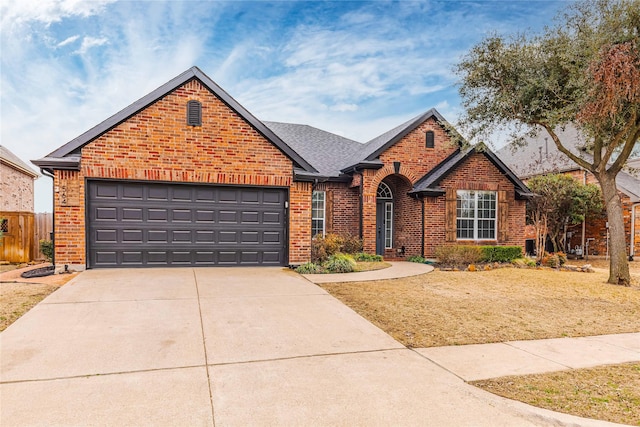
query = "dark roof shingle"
{"x": 325, "y": 151}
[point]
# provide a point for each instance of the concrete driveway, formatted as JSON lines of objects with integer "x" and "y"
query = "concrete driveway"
{"x": 224, "y": 347}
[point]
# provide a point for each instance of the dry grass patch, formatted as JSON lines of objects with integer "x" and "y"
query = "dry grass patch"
{"x": 370, "y": 266}
{"x": 18, "y": 295}
{"x": 454, "y": 308}
{"x": 18, "y": 298}
{"x": 610, "y": 393}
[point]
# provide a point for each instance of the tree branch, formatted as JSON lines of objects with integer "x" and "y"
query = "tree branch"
{"x": 626, "y": 152}
{"x": 579, "y": 160}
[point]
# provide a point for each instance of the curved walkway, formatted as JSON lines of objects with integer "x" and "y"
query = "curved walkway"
{"x": 397, "y": 270}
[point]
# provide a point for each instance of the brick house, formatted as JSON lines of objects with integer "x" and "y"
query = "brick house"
{"x": 16, "y": 208}
{"x": 187, "y": 176}
{"x": 540, "y": 156}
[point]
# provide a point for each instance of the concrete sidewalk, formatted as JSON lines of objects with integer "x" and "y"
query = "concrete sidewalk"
{"x": 484, "y": 361}
{"x": 226, "y": 347}
{"x": 397, "y": 270}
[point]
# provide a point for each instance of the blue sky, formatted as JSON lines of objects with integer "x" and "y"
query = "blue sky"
{"x": 356, "y": 69}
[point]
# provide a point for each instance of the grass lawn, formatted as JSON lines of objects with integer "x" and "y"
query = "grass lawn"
{"x": 17, "y": 296}
{"x": 609, "y": 393}
{"x": 455, "y": 308}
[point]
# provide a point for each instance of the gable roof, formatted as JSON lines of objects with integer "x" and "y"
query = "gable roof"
{"x": 70, "y": 151}
{"x": 325, "y": 151}
{"x": 428, "y": 185}
{"x": 541, "y": 156}
{"x": 7, "y": 157}
{"x": 380, "y": 144}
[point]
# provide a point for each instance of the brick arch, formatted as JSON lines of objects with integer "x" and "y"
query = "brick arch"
{"x": 405, "y": 172}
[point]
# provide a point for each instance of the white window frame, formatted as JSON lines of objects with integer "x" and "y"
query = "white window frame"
{"x": 473, "y": 195}
{"x": 388, "y": 225}
{"x": 314, "y": 212}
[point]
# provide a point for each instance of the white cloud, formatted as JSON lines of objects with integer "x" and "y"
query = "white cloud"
{"x": 344, "y": 107}
{"x": 89, "y": 42}
{"x": 16, "y": 13}
{"x": 68, "y": 40}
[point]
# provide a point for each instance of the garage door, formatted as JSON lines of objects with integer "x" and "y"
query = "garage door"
{"x": 135, "y": 224}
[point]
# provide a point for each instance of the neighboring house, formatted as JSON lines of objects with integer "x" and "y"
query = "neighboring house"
{"x": 540, "y": 156}
{"x": 16, "y": 208}
{"x": 634, "y": 164}
{"x": 187, "y": 176}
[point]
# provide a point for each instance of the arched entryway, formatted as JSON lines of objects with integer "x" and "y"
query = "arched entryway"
{"x": 384, "y": 218}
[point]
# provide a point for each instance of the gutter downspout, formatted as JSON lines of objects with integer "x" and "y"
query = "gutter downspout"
{"x": 632, "y": 240}
{"x": 361, "y": 200}
{"x": 53, "y": 215}
{"x": 422, "y": 240}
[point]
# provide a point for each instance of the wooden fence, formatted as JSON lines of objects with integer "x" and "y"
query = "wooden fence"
{"x": 43, "y": 226}
{"x": 17, "y": 236}
{"x": 22, "y": 232}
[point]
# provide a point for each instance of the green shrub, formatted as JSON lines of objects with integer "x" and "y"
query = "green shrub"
{"x": 500, "y": 253}
{"x": 339, "y": 263}
{"x": 363, "y": 257}
{"x": 309, "y": 268}
{"x": 46, "y": 247}
{"x": 459, "y": 254}
{"x": 416, "y": 258}
{"x": 323, "y": 247}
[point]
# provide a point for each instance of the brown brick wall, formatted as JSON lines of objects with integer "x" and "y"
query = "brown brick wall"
{"x": 157, "y": 145}
{"x": 411, "y": 151}
{"x": 300, "y": 223}
{"x": 475, "y": 173}
{"x": 69, "y": 217}
{"x": 342, "y": 208}
{"x": 415, "y": 161}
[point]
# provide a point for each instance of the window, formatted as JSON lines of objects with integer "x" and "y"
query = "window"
{"x": 430, "y": 139}
{"x": 388, "y": 225}
{"x": 4, "y": 225}
{"x": 194, "y": 113}
{"x": 384, "y": 192}
{"x": 476, "y": 215}
{"x": 317, "y": 213}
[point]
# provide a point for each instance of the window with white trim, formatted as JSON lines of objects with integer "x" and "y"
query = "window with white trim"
{"x": 476, "y": 215}
{"x": 388, "y": 225}
{"x": 318, "y": 213}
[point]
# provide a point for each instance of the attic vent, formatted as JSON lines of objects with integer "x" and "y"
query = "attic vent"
{"x": 194, "y": 113}
{"x": 430, "y": 139}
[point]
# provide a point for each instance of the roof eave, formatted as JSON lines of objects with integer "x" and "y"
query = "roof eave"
{"x": 429, "y": 192}
{"x": 522, "y": 195}
{"x": 304, "y": 176}
{"x": 20, "y": 168}
{"x": 62, "y": 163}
{"x": 371, "y": 164}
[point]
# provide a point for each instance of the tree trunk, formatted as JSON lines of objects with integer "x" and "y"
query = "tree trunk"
{"x": 619, "y": 266}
